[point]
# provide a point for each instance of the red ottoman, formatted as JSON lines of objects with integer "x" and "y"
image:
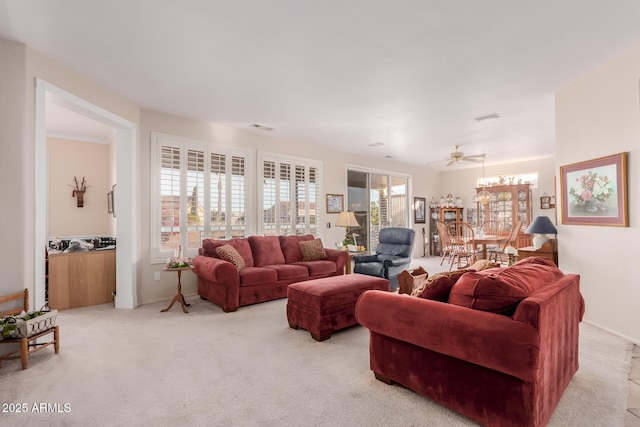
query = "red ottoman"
{"x": 322, "y": 306}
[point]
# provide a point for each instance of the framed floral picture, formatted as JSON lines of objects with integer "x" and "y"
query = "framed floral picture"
{"x": 594, "y": 192}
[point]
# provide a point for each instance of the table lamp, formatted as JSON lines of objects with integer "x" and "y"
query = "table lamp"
{"x": 512, "y": 253}
{"x": 541, "y": 226}
{"x": 347, "y": 219}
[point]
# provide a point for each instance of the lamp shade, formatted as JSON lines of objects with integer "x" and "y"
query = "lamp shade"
{"x": 347, "y": 219}
{"x": 542, "y": 225}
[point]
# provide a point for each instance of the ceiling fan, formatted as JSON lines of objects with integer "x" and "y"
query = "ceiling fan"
{"x": 456, "y": 156}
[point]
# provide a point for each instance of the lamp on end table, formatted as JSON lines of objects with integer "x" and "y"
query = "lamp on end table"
{"x": 347, "y": 219}
{"x": 541, "y": 226}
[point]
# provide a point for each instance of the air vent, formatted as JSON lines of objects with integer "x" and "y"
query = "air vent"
{"x": 262, "y": 127}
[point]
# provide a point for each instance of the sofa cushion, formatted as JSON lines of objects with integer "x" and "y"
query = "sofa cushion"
{"x": 312, "y": 250}
{"x": 266, "y": 250}
{"x": 319, "y": 268}
{"x": 291, "y": 248}
{"x": 501, "y": 290}
{"x": 289, "y": 271}
{"x": 229, "y": 253}
{"x": 438, "y": 286}
{"x": 252, "y": 276}
{"x": 241, "y": 245}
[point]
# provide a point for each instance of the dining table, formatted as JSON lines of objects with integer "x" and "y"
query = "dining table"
{"x": 489, "y": 239}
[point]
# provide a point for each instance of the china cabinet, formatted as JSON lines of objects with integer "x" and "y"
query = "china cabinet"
{"x": 444, "y": 215}
{"x": 508, "y": 204}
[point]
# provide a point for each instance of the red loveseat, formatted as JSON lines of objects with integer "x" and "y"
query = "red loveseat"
{"x": 501, "y": 351}
{"x": 271, "y": 264}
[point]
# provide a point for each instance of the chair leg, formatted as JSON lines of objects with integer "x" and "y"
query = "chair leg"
{"x": 56, "y": 337}
{"x": 24, "y": 352}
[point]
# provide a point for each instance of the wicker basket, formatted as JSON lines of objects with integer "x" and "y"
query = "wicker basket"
{"x": 28, "y": 328}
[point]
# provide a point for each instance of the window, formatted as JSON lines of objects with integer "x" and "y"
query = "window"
{"x": 289, "y": 194}
{"x": 199, "y": 191}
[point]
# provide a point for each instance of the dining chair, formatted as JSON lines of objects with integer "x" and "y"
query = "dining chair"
{"x": 463, "y": 245}
{"x": 445, "y": 240}
{"x": 511, "y": 241}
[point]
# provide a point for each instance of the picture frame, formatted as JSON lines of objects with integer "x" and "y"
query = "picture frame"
{"x": 113, "y": 200}
{"x": 335, "y": 203}
{"x": 110, "y": 202}
{"x": 594, "y": 192}
{"x": 419, "y": 210}
{"x": 545, "y": 202}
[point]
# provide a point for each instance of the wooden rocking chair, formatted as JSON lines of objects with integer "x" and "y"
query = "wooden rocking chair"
{"x": 29, "y": 344}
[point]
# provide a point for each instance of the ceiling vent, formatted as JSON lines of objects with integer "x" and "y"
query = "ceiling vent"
{"x": 262, "y": 127}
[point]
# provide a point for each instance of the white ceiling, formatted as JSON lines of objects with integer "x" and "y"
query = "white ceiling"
{"x": 412, "y": 75}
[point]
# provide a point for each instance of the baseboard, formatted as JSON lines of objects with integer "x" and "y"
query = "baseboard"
{"x": 611, "y": 331}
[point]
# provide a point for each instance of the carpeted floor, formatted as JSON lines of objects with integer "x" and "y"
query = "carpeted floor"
{"x": 143, "y": 367}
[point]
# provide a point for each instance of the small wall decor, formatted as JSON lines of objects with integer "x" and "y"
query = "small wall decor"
{"x": 594, "y": 192}
{"x": 113, "y": 200}
{"x": 545, "y": 202}
{"x": 335, "y": 203}
{"x": 79, "y": 190}
{"x": 110, "y": 202}
{"x": 419, "y": 213}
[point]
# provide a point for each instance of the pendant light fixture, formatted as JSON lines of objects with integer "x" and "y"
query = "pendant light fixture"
{"x": 483, "y": 197}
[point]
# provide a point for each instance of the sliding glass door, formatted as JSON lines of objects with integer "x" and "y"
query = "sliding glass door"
{"x": 378, "y": 200}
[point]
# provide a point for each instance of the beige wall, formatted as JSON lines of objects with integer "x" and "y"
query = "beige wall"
{"x": 19, "y": 68}
{"x": 15, "y": 189}
{"x": 599, "y": 115}
{"x": 80, "y": 159}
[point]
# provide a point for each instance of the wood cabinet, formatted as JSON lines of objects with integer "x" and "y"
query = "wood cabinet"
{"x": 548, "y": 250}
{"x": 444, "y": 215}
{"x": 508, "y": 205}
{"x": 80, "y": 279}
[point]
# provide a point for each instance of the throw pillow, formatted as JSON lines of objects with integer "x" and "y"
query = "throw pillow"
{"x": 438, "y": 286}
{"x": 483, "y": 264}
{"x": 500, "y": 290}
{"x": 229, "y": 253}
{"x": 312, "y": 250}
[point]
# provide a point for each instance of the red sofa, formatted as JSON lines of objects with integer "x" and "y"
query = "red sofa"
{"x": 501, "y": 348}
{"x": 271, "y": 264}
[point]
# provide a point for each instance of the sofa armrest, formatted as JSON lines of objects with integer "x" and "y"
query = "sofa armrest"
{"x": 396, "y": 262}
{"x": 216, "y": 270}
{"x": 339, "y": 257}
{"x": 487, "y": 339}
{"x": 358, "y": 259}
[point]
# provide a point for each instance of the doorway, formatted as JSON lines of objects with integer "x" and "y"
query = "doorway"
{"x": 378, "y": 200}
{"x": 126, "y": 149}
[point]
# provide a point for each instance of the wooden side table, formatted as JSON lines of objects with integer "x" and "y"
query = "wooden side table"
{"x": 548, "y": 250}
{"x": 179, "y": 297}
{"x": 348, "y": 269}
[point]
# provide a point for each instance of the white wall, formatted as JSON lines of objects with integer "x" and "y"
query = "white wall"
{"x": 80, "y": 159}
{"x": 599, "y": 115}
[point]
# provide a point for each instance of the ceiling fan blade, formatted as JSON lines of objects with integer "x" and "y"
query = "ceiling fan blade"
{"x": 475, "y": 155}
{"x": 470, "y": 159}
{"x": 450, "y": 163}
